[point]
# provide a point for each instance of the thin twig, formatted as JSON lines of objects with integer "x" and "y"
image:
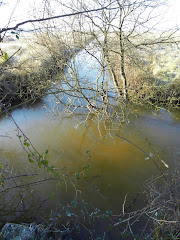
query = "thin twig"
{"x": 123, "y": 206}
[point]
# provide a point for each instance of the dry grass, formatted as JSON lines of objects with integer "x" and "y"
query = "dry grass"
{"x": 165, "y": 203}
{"x": 153, "y": 75}
{"x": 32, "y": 63}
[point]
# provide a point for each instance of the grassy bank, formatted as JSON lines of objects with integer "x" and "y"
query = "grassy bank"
{"x": 28, "y": 65}
{"x": 152, "y": 73}
{"x": 28, "y": 75}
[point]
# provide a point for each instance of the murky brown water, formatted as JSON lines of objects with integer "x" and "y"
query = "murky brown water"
{"x": 116, "y": 168}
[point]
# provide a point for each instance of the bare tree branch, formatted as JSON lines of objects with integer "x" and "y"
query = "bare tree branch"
{"x": 51, "y": 18}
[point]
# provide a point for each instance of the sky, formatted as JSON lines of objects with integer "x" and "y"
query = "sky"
{"x": 23, "y": 10}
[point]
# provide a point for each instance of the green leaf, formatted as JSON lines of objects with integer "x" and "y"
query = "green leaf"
{"x": 78, "y": 228}
{"x": 74, "y": 203}
{"x": 6, "y": 56}
{"x": 58, "y": 183}
{"x": 45, "y": 162}
{"x": 46, "y": 151}
{"x": 39, "y": 164}
{"x": 111, "y": 227}
{"x": 77, "y": 176}
{"x": 59, "y": 205}
{"x": 86, "y": 167}
{"x": 53, "y": 196}
{"x": 68, "y": 213}
{"x": 105, "y": 217}
{"x": 83, "y": 214}
{"x": 30, "y": 160}
{"x": 56, "y": 174}
{"x": 17, "y": 36}
{"x": 110, "y": 213}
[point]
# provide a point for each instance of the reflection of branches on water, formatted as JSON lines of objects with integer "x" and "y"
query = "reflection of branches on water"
{"x": 32, "y": 100}
{"x": 82, "y": 122}
{"x": 97, "y": 140}
{"x": 19, "y": 176}
{"x": 14, "y": 189}
{"x": 80, "y": 93}
{"x": 17, "y": 197}
{"x": 28, "y": 146}
{"x": 28, "y": 184}
{"x": 5, "y": 136}
{"x": 74, "y": 104}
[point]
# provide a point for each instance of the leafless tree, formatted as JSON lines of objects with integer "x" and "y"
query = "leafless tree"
{"x": 128, "y": 27}
{"x": 123, "y": 31}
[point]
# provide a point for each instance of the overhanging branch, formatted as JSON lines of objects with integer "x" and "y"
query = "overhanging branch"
{"x": 54, "y": 17}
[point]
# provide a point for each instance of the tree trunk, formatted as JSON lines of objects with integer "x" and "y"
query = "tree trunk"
{"x": 123, "y": 74}
{"x": 106, "y": 57}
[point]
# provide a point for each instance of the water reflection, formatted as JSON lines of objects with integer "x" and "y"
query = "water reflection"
{"x": 116, "y": 166}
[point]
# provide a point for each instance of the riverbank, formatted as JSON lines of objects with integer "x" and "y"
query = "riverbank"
{"x": 152, "y": 73}
{"x": 28, "y": 65}
{"x": 27, "y": 76}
